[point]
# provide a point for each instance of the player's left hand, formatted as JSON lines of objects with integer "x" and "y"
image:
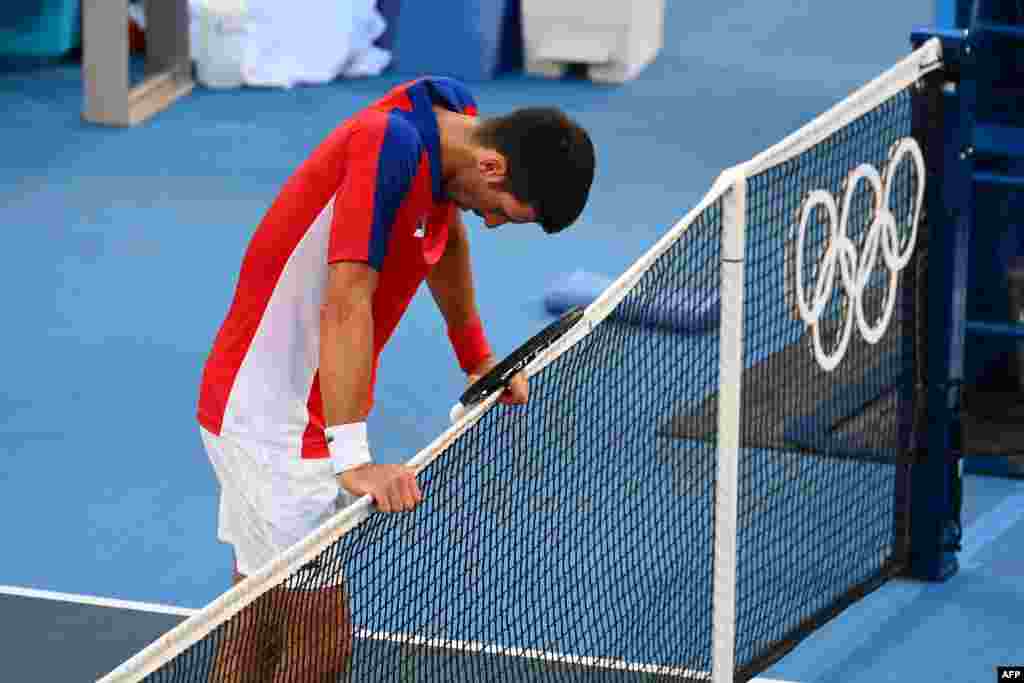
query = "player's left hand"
{"x": 518, "y": 390}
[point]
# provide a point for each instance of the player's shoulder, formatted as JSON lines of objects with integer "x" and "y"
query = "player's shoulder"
{"x": 454, "y": 92}
{"x": 396, "y": 134}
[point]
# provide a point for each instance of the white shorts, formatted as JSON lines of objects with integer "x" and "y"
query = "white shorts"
{"x": 270, "y": 499}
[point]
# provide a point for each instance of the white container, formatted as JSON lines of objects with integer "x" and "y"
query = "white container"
{"x": 219, "y": 52}
{"x": 615, "y": 39}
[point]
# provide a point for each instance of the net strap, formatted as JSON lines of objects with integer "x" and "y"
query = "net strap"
{"x": 730, "y": 382}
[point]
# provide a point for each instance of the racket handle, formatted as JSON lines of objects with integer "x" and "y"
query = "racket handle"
{"x": 456, "y": 413}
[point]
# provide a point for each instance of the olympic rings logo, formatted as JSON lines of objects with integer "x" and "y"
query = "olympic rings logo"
{"x": 841, "y": 253}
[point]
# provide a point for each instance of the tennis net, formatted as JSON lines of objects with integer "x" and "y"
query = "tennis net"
{"x": 668, "y": 506}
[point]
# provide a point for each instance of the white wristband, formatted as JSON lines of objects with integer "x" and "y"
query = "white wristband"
{"x": 348, "y": 446}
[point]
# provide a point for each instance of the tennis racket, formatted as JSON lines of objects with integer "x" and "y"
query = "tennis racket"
{"x": 502, "y": 373}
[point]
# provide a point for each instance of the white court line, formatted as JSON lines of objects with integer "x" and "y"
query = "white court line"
{"x": 543, "y": 655}
{"x": 467, "y": 646}
{"x": 95, "y": 601}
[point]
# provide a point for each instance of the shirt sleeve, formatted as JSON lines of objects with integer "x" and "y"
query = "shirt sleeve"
{"x": 382, "y": 157}
{"x": 455, "y": 94}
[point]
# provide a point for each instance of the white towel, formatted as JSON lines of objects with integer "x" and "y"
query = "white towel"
{"x": 311, "y": 41}
{"x": 271, "y": 43}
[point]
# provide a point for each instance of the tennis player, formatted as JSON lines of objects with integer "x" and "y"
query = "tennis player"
{"x": 373, "y": 213}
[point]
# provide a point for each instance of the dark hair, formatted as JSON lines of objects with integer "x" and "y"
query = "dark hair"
{"x": 550, "y": 161}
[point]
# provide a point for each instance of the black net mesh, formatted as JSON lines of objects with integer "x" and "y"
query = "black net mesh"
{"x": 572, "y": 539}
{"x": 823, "y": 466}
{"x": 823, "y": 492}
{"x": 563, "y": 540}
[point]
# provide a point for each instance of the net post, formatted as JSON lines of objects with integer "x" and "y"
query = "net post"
{"x": 943, "y": 119}
{"x": 730, "y": 374}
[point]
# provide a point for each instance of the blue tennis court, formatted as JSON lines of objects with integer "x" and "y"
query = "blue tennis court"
{"x": 122, "y": 249}
{"x": 68, "y": 637}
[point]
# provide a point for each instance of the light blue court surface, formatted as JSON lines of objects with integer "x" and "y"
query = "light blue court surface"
{"x": 121, "y": 249}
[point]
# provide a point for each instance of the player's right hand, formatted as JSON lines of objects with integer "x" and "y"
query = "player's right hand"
{"x": 392, "y": 487}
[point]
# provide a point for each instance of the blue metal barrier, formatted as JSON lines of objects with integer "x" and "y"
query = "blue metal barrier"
{"x": 976, "y": 257}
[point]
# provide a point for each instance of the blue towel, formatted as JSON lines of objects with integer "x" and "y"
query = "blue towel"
{"x": 688, "y": 310}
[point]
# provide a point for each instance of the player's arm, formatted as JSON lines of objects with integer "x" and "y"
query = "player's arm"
{"x": 451, "y": 285}
{"x": 346, "y": 341}
{"x": 377, "y": 178}
{"x": 346, "y": 363}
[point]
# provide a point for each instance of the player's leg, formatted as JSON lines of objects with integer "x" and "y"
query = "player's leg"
{"x": 318, "y": 636}
{"x": 272, "y": 499}
{"x": 250, "y": 644}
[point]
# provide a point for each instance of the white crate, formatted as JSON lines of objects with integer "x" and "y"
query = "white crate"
{"x": 615, "y": 39}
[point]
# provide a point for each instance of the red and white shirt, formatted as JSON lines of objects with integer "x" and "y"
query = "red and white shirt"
{"x": 371, "y": 192}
